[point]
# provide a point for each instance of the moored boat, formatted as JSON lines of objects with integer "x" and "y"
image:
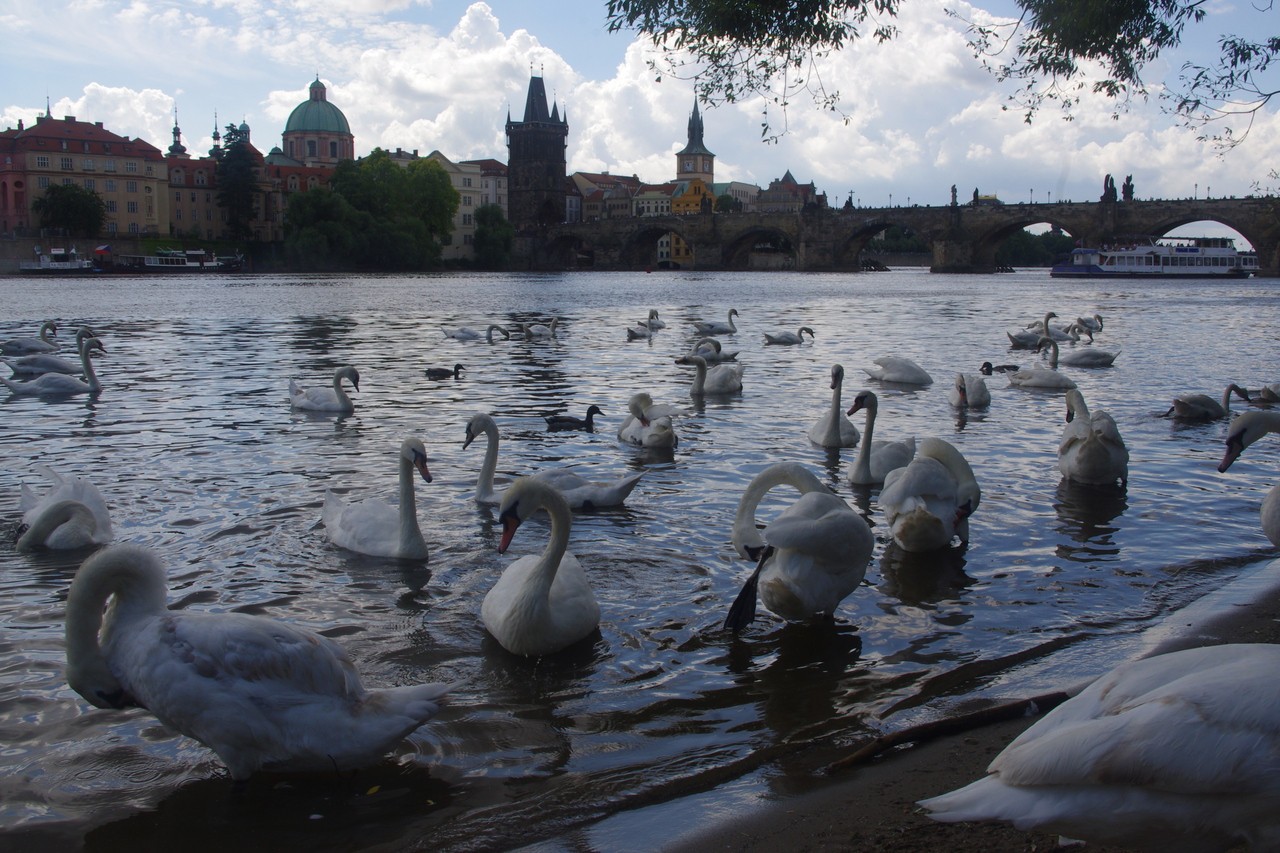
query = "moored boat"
{"x": 57, "y": 262}
{"x": 1193, "y": 257}
{"x": 179, "y": 261}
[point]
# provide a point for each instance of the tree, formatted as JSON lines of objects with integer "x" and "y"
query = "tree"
{"x": 494, "y": 238}
{"x": 728, "y": 204}
{"x": 237, "y": 183}
{"x": 768, "y": 47}
{"x": 71, "y": 208}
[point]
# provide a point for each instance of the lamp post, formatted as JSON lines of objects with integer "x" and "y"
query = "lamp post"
{"x": 891, "y": 199}
{"x": 1195, "y": 192}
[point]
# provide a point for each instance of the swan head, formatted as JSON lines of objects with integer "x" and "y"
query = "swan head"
{"x": 415, "y": 452}
{"x": 524, "y": 498}
{"x": 653, "y": 313}
{"x": 692, "y": 360}
{"x": 90, "y": 346}
{"x": 837, "y": 376}
{"x": 350, "y": 374}
{"x": 1244, "y": 431}
{"x": 804, "y": 329}
{"x": 863, "y": 400}
{"x": 638, "y": 405}
{"x": 733, "y": 312}
{"x": 479, "y": 423}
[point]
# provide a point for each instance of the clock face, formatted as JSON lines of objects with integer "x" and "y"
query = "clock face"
{"x": 688, "y": 165}
{"x": 706, "y": 165}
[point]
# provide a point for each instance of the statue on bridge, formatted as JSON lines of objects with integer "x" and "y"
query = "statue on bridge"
{"x": 1108, "y": 189}
{"x": 953, "y": 195}
{"x": 1126, "y": 189}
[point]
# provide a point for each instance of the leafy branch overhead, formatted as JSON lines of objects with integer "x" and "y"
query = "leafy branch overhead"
{"x": 1056, "y": 51}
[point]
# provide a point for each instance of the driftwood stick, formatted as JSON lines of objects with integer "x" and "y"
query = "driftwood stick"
{"x": 948, "y": 726}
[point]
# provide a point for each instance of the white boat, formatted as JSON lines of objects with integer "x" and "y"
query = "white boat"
{"x": 1192, "y": 257}
{"x": 178, "y": 260}
{"x": 57, "y": 262}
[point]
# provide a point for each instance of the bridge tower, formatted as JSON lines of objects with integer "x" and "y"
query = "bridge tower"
{"x": 694, "y": 160}
{"x": 536, "y": 170}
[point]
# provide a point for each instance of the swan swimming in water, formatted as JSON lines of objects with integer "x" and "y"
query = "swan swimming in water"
{"x": 63, "y": 384}
{"x": 712, "y": 351}
{"x": 810, "y": 558}
{"x": 563, "y": 423}
{"x": 653, "y": 322}
{"x": 540, "y": 605}
{"x": 876, "y": 459}
{"x": 1088, "y": 357}
{"x": 71, "y": 514}
{"x": 541, "y": 330}
{"x": 893, "y": 368}
{"x": 27, "y": 346}
{"x": 788, "y": 338}
{"x": 445, "y": 372}
{"x": 648, "y": 425}
{"x": 1046, "y": 378}
{"x": 715, "y": 327}
{"x": 1202, "y": 407}
{"x": 260, "y": 693}
{"x": 1091, "y": 450}
{"x": 466, "y": 333}
{"x": 375, "y": 527}
{"x": 320, "y": 399}
{"x": 578, "y": 491}
{"x": 969, "y": 391}
{"x": 1173, "y": 752}
{"x": 834, "y": 429}
{"x": 929, "y": 501}
{"x": 718, "y": 379}
{"x": 43, "y": 362}
{"x": 1244, "y": 431}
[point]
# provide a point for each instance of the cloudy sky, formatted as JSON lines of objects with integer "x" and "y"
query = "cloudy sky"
{"x": 917, "y": 115}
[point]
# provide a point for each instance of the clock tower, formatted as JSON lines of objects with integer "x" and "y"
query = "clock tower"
{"x": 694, "y": 160}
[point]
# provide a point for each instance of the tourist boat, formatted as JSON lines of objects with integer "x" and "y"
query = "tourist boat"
{"x": 1192, "y": 257}
{"x": 57, "y": 262}
{"x": 179, "y": 261}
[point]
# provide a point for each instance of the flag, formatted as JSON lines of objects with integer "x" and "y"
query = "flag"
{"x": 103, "y": 250}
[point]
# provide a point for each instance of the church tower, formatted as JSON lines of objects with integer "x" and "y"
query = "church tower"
{"x": 536, "y": 168}
{"x": 694, "y": 160}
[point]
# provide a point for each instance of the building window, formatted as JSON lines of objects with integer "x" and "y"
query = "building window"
{"x": 131, "y": 207}
{"x": 468, "y": 239}
{"x": 177, "y": 214}
{"x": 111, "y": 205}
{"x": 42, "y": 182}
{"x": 149, "y": 169}
{"x": 90, "y": 184}
{"x": 466, "y": 219}
{"x": 333, "y": 150}
{"x": 88, "y": 165}
{"x": 311, "y": 148}
{"x": 111, "y": 228}
{"x": 111, "y": 165}
{"x": 193, "y": 196}
{"x": 466, "y": 201}
{"x": 131, "y": 186}
{"x": 208, "y": 198}
{"x": 111, "y": 185}
{"x": 67, "y": 182}
{"x": 42, "y": 162}
{"x": 208, "y": 214}
{"x": 466, "y": 182}
{"x": 130, "y": 166}
{"x": 177, "y": 196}
{"x": 133, "y": 228}
{"x": 200, "y": 179}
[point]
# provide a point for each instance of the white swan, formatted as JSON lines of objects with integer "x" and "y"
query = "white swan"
{"x": 811, "y": 556}
{"x": 893, "y": 368}
{"x": 876, "y": 459}
{"x": 1093, "y": 324}
{"x": 1029, "y": 338}
{"x": 578, "y": 491}
{"x": 1202, "y": 407}
{"x": 1045, "y": 378}
{"x": 63, "y": 384}
{"x": 1244, "y": 431}
{"x": 969, "y": 391}
{"x": 718, "y": 379}
{"x": 71, "y": 514}
{"x": 929, "y": 501}
{"x": 1088, "y": 357}
{"x": 320, "y": 399}
{"x": 541, "y": 330}
{"x": 1269, "y": 393}
{"x": 715, "y": 327}
{"x": 654, "y": 322}
{"x": 262, "y": 694}
{"x": 43, "y": 362}
{"x": 454, "y": 372}
{"x": 834, "y": 429}
{"x": 1091, "y": 450}
{"x": 28, "y": 345}
{"x": 1172, "y": 752}
{"x": 466, "y": 333}
{"x": 562, "y": 423}
{"x": 788, "y": 338}
{"x": 639, "y": 332}
{"x": 375, "y": 527}
{"x": 542, "y": 604}
{"x": 712, "y": 351}
{"x": 648, "y": 425}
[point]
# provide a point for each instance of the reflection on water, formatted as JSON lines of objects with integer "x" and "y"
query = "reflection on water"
{"x": 194, "y": 445}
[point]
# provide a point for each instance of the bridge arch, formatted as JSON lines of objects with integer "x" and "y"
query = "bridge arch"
{"x": 739, "y": 250}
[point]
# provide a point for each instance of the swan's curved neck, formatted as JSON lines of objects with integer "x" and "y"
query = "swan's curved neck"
{"x": 544, "y": 572}
{"x": 488, "y": 335}
{"x": 782, "y": 474}
{"x": 60, "y": 513}
{"x": 339, "y": 391}
{"x": 832, "y": 428}
{"x": 410, "y": 534}
{"x": 1079, "y": 409}
{"x": 700, "y": 380}
{"x": 86, "y": 360}
{"x": 1053, "y": 350}
{"x": 731, "y": 326}
{"x": 1226, "y": 396}
{"x": 862, "y": 464}
{"x": 484, "y": 484}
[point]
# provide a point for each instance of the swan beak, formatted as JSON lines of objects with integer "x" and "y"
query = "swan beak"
{"x": 510, "y": 523}
{"x": 420, "y": 462}
{"x": 1071, "y": 415}
{"x": 1234, "y": 448}
{"x": 470, "y": 438}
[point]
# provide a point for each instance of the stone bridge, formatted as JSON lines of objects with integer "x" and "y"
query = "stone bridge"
{"x": 963, "y": 238}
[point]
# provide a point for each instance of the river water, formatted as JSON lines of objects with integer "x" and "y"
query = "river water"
{"x": 193, "y": 443}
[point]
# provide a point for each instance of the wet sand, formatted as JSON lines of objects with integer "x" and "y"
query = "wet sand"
{"x": 873, "y": 807}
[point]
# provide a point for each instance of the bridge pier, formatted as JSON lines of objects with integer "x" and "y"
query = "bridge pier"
{"x": 961, "y": 256}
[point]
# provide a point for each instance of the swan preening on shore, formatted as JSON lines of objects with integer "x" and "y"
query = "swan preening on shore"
{"x": 540, "y": 605}
{"x": 375, "y": 527}
{"x": 717, "y": 379}
{"x": 809, "y": 559}
{"x": 1202, "y": 407}
{"x": 260, "y": 693}
{"x": 63, "y": 384}
{"x": 1172, "y": 752}
{"x": 876, "y": 459}
{"x": 578, "y": 491}
{"x": 321, "y": 399}
{"x": 1091, "y": 450}
{"x": 27, "y": 346}
{"x": 71, "y": 514}
{"x": 648, "y": 425}
{"x": 715, "y": 327}
{"x": 788, "y": 338}
{"x": 928, "y": 502}
{"x": 833, "y": 428}
{"x": 1244, "y": 431}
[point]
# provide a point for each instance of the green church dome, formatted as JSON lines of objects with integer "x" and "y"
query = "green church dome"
{"x": 317, "y": 114}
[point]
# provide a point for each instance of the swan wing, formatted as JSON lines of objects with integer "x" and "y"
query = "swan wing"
{"x": 819, "y": 523}
{"x": 370, "y": 526}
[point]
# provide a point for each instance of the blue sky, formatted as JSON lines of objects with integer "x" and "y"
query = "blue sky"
{"x": 917, "y": 116}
